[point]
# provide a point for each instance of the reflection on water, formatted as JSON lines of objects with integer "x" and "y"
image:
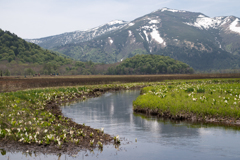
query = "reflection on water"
{"x": 156, "y": 138}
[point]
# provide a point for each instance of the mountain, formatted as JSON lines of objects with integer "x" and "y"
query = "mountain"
{"x": 78, "y": 36}
{"x": 202, "y": 42}
{"x": 18, "y": 57}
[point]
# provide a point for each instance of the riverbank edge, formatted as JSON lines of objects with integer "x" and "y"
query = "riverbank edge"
{"x": 185, "y": 116}
{"x": 69, "y": 148}
{"x": 188, "y": 117}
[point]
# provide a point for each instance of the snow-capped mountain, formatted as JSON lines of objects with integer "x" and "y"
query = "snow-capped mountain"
{"x": 194, "y": 38}
{"x": 78, "y": 36}
{"x": 204, "y": 22}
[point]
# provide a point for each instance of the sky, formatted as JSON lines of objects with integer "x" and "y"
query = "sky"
{"x": 41, "y": 18}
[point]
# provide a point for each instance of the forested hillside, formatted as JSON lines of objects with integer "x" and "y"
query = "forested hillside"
{"x": 150, "y": 64}
{"x": 202, "y": 60}
{"x": 18, "y": 57}
{"x": 14, "y": 49}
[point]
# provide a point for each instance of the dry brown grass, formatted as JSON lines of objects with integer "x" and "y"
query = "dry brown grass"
{"x": 19, "y": 83}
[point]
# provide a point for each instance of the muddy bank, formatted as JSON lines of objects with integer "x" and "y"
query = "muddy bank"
{"x": 69, "y": 146}
{"x": 189, "y": 117}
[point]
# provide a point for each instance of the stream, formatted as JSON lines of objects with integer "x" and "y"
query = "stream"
{"x": 144, "y": 137}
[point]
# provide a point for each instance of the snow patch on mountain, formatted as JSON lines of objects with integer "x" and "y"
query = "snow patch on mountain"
{"x": 233, "y": 27}
{"x": 226, "y": 20}
{"x": 201, "y": 16}
{"x": 110, "y": 40}
{"x": 34, "y": 41}
{"x": 131, "y": 24}
{"x": 156, "y": 36}
{"x": 153, "y": 32}
{"x": 154, "y": 21}
{"x": 103, "y": 28}
{"x": 115, "y": 22}
{"x": 80, "y": 36}
{"x": 129, "y": 33}
{"x": 203, "y": 22}
{"x": 171, "y": 10}
{"x": 141, "y": 36}
{"x": 146, "y": 35}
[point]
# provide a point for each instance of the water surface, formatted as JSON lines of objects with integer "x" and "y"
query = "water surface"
{"x": 156, "y": 138}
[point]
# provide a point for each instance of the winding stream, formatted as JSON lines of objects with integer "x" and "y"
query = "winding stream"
{"x": 156, "y": 138}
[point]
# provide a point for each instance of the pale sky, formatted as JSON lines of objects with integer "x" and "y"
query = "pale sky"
{"x": 42, "y": 18}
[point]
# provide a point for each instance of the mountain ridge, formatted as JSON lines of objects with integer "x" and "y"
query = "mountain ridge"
{"x": 189, "y": 33}
{"x": 77, "y": 36}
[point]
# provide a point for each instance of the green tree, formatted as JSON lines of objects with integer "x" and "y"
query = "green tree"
{"x": 7, "y": 73}
{"x": 29, "y": 71}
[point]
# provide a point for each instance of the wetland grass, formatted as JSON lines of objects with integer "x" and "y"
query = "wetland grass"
{"x": 211, "y": 100}
{"x": 33, "y": 117}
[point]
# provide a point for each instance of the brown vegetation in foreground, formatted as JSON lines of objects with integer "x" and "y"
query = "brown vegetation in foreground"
{"x": 8, "y": 84}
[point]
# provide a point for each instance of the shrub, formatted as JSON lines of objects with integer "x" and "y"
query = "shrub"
{"x": 189, "y": 90}
{"x": 200, "y": 90}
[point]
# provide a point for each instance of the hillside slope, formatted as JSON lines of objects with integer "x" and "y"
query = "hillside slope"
{"x": 202, "y": 42}
{"x": 18, "y": 57}
{"x": 13, "y": 48}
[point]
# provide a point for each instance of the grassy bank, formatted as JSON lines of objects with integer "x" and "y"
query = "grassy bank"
{"x": 209, "y": 100}
{"x": 33, "y": 117}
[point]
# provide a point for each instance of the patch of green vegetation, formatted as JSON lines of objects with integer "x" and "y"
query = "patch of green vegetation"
{"x": 229, "y": 48}
{"x": 25, "y": 117}
{"x": 87, "y": 52}
{"x": 150, "y": 64}
{"x": 211, "y": 98}
{"x": 137, "y": 52}
{"x": 236, "y": 53}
